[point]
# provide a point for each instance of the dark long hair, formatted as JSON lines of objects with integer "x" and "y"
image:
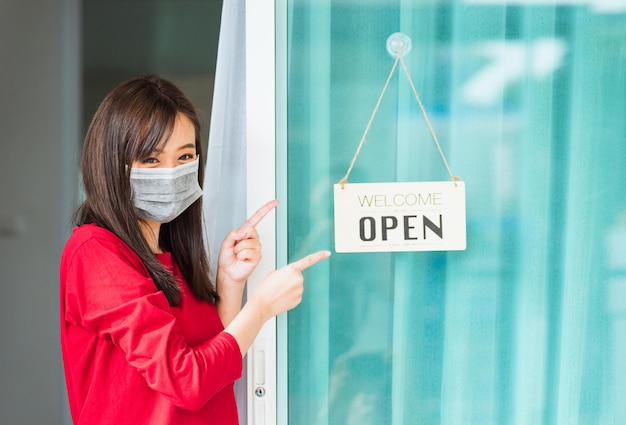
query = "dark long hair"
{"x": 129, "y": 124}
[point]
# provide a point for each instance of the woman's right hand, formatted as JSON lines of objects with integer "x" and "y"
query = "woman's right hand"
{"x": 282, "y": 289}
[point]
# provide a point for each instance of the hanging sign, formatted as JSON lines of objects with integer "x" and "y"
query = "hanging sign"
{"x": 418, "y": 216}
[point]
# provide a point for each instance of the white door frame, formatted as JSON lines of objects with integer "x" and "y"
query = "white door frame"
{"x": 261, "y": 184}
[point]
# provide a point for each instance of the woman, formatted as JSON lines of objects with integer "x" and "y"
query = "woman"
{"x": 146, "y": 337}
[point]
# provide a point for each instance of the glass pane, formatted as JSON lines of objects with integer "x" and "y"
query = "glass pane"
{"x": 527, "y": 325}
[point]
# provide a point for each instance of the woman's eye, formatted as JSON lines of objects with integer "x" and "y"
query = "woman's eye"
{"x": 150, "y": 161}
{"x": 187, "y": 156}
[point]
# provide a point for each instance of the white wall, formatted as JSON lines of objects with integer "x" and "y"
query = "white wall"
{"x": 39, "y": 116}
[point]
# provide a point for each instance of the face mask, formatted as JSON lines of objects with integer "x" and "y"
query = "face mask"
{"x": 162, "y": 194}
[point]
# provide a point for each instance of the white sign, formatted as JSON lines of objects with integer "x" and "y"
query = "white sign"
{"x": 388, "y": 217}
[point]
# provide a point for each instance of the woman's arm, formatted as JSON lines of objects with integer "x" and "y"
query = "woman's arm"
{"x": 230, "y": 297}
{"x": 280, "y": 291}
{"x": 240, "y": 253}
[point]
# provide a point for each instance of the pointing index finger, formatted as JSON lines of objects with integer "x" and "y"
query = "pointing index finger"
{"x": 259, "y": 214}
{"x": 310, "y": 260}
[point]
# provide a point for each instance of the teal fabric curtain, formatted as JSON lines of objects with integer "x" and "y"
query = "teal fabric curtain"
{"x": 528, "y": 324}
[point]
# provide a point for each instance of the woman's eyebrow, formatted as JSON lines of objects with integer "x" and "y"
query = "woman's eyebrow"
{"x": 187, "y": 146}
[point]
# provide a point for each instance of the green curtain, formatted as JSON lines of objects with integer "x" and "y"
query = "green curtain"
{"x": 528, "y": 324}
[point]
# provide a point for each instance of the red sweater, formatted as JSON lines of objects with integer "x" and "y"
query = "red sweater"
{"x": 131, "y": 358}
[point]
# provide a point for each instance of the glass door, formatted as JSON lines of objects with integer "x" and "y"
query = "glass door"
{"x": 527, "y": 325}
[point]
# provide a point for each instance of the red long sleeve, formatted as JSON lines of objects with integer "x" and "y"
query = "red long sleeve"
{"x": 131, "y": 358}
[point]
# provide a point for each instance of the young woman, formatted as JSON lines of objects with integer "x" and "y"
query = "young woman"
{"x": 146, "y": 337}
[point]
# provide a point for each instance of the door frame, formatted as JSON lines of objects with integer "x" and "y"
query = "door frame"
{"x": 263, "y": 390}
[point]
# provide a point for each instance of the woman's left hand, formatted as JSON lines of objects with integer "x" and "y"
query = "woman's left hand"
{"x": 241, "y": 249}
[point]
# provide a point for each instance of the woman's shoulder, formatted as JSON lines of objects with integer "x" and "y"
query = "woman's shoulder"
{"x": 92, "y": 232}
{"x": 93, "y": 240}
{"x": 98, "y": 271}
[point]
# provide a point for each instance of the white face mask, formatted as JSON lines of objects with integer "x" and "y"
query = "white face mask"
{"x": 162, "y": 194}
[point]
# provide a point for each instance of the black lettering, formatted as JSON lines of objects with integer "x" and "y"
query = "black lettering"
{"x": 385, "y": 226}
{"x": 372, "y": 227}
{"x": 437, "y": 230}
{"x": 408, "y": 227}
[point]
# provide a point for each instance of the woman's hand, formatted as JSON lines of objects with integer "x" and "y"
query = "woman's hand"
{"x": 241, "y": 249}
{"x": 282, "y": 289}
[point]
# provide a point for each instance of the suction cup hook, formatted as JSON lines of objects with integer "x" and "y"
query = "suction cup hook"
{"x": 398, "y": 44}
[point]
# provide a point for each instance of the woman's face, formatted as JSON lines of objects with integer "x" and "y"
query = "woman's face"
{"x": 179, "y": 149}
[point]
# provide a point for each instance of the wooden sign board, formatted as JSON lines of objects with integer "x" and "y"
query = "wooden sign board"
{"x": 391, "y": 217}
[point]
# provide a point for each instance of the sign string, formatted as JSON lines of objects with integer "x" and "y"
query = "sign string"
{"x": 399, "y": 58}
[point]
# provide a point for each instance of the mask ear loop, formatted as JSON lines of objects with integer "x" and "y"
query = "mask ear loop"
{"x": 398, "y": 45}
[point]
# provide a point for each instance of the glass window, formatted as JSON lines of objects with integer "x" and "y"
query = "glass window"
{"x": 528, "y": 324}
